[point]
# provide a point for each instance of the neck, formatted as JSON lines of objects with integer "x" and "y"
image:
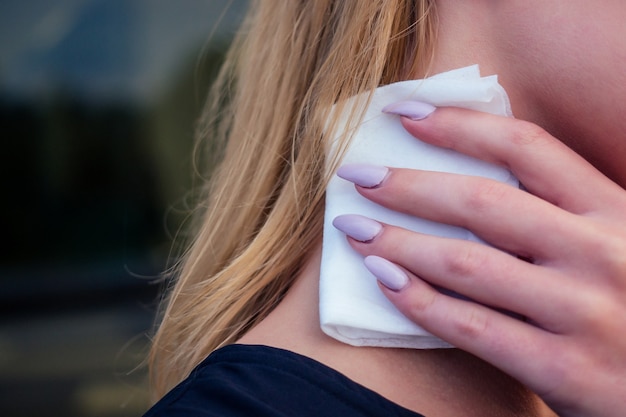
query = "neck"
{"x": 461, "y": 42}
{"x": 446, "y": 382}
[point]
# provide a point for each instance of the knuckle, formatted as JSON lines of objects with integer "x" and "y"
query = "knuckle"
{"x": 607, "y": 250}
{"x": 420, "y": 306}
{"x": 597, "y": 313}
{"x": 527, "y": 133}
{"x": 613, "y": 250}
{"x": 468, "y": 261}
{"x": 485, "y": 195}
{"x": 474, "y": 325}
{"x": 558, "y": 365}
{"x": 591, "y": 316}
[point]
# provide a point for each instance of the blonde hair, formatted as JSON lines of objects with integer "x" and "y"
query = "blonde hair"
{"x": 290, "y": 63}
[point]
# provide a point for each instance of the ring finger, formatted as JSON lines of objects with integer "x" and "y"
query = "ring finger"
{"x": 482, "y": 273}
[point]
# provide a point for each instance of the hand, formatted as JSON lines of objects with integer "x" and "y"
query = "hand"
{"x": 558, "y": 259}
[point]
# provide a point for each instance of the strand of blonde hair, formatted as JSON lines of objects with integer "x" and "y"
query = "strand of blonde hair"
{"x": 290, "y": 63}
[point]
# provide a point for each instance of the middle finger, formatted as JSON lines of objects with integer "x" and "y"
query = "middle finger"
{"x": 482, "y": 273}
{"x": 502, "y": 215}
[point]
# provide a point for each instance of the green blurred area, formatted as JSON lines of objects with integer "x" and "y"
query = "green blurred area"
{"x": 86, "y": 180}
{"x": 98, "y": 105}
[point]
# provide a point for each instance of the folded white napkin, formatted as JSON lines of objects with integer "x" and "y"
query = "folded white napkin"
{"x": 352, "y": 308}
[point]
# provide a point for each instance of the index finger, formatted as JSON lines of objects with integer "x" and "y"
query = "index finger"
{"x": 544, "y": 165}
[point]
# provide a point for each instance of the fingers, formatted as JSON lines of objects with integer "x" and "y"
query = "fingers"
{"x": 567, "y": 318}
{"x": 483, "y": 206}
{"x": 490, "y": 335}
{"x": 558, "y": 367}
{"x": 543, "y": 164}
{"x": 570, "y": 223}
{"x": 482, "y": 273}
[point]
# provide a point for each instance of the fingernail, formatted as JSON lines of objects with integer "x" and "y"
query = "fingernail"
{"x": 414, "y": 110}
{"x": 364, "y": 175}
{"x": 358, "y": 227}
{"x": 388, "y": 273}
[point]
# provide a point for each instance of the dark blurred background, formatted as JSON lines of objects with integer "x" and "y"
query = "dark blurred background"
{"x": 98, "y": 100}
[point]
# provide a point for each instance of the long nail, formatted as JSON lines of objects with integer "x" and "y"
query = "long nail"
{"x": 414, "y": 110}
{"x": 388, "y": 273}
{"x": 364, "y": 175}
{"x": 358, "y": 227}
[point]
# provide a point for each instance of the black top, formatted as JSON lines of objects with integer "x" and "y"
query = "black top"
{"x": 261, "y": 381}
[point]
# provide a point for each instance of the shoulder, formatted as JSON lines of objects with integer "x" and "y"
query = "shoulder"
{"x": 245, "y": 380}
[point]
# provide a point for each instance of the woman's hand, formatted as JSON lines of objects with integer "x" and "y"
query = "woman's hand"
{"x": 558, "y": 258}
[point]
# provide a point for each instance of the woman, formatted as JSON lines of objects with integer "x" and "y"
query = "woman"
{"x": 250, "y": 277}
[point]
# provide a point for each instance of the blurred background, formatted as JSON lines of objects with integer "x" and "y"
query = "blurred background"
{"x": 98, "y": 100}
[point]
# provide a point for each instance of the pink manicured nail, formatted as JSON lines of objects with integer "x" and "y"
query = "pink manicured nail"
{"x": 364, "y": 175}
{"x": 414, "y": 110}
{"x": 388, "y": 273}
{"x": 358, "y": 227}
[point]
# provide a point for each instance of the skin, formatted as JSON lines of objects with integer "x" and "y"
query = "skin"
{"x": 561, "y": 61}
{"x": 446, "y": 383}
{"x": 573, "y": 294}
{"x": 563, "y": 64}
{"x": 565, "y": 70}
